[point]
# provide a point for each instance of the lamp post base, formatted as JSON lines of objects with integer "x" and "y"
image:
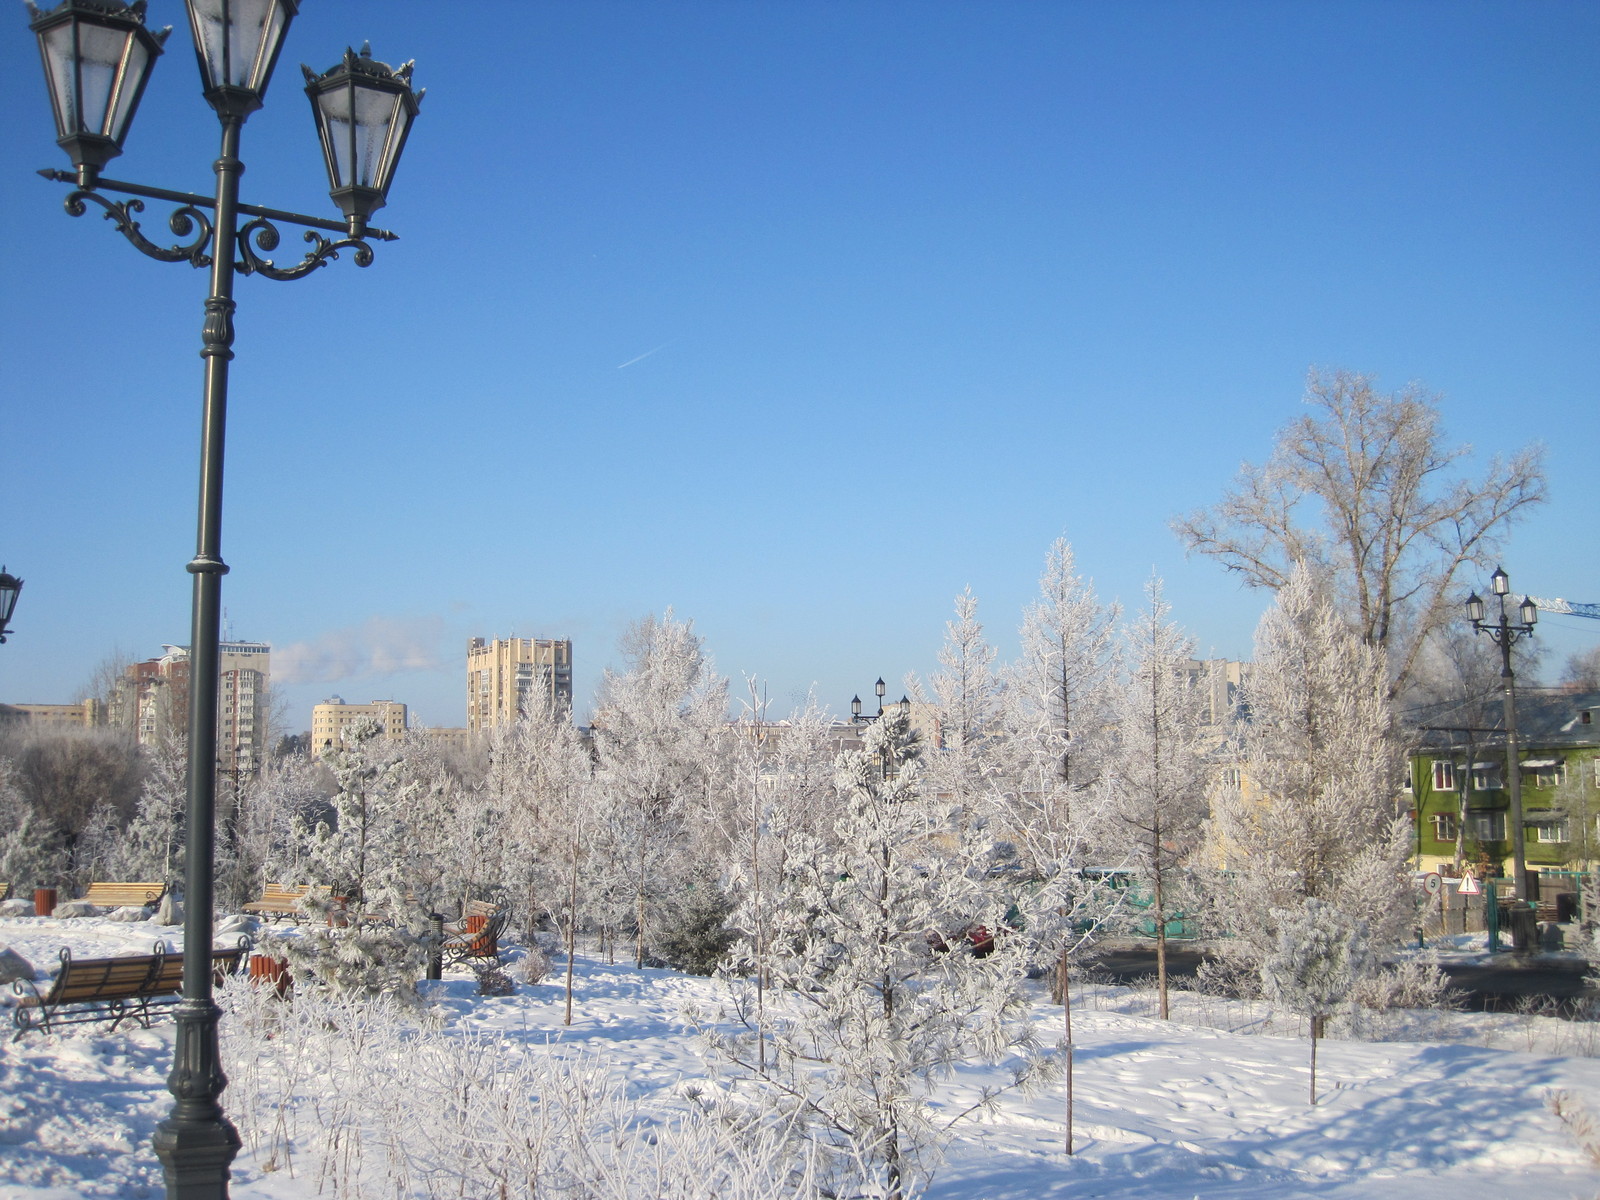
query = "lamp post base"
{"x": 196, "y": 1142}
{"x": 195, "y": 1157}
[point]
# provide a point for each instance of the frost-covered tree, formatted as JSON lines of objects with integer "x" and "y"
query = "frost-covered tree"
{"x": 152, "y": 845}
{"x": 1364, "y": 490}
{"x": 364, "y": 864}
{"x": 655, "y": 735}
{"x": 1159, "y": 773}
{"x": 31, "y": 855}
{"x": 1318, "y": 814}
{"x": 877, "y": 992}
{"x": 1058, "y": 690}
{"x": 967, "y": 687}
{"x": 1322, "y": 954}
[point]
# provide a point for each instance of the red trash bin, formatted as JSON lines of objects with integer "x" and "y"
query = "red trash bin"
{"x": 44, "y": 902}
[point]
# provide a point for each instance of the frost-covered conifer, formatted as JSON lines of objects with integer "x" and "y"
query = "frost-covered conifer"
{"x": 31, "y": 854}
{"x": 367, "y": 861}
{"x": 655, "y": 734}
{"x": 1058, "y": 692}
{"x": 1322, "y": 953}
{"x": 876, "y": 991}
{"x": 1157, "y": 778}
{"x": 152, "y": 845}
{"x": 963, "y": 768}
{"x": 1318, "y": 813}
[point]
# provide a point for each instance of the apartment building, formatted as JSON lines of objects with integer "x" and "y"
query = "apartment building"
{"x": 502, "y": 673}
{"x": 333, "y": 718}
{"x": 151, "y": 700}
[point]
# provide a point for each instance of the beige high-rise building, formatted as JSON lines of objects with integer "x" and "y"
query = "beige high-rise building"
{"x": 501, "y": 673}
{"x": 333, "y": 718}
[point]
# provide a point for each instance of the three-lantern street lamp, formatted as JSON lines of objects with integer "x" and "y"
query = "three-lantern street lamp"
{"x": 97, "y": 59}
{"x": 10, "y": 589}
{"x": 1506, "y": 633}
{"x": 880, "y": 689}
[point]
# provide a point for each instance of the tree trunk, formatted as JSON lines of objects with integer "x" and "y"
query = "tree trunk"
{"x": 1066, "y": 1016}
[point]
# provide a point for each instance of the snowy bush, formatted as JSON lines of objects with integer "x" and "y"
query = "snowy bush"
{"x": 1322, "y": 954}
{"x": 365, "y": 1100}
{"x": 875, "y": 994}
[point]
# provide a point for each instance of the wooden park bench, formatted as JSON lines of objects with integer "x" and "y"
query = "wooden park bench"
{"x": 124, "y": 895}
{"x": 280, "y": 900}
{"x": 478, "y": 935}
{"x": 110, "y": 989}
{"x": 5, "y": 891}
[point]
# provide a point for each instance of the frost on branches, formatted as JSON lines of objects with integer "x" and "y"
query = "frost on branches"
{"x": 362, "y": 867}
{"x": 1322, "y": 954}
{"x": 1318, "y": 815}
{"x": 877, "y": 987}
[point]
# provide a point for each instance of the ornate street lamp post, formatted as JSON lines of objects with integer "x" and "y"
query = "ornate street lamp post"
{"x": 1506, "y": 633}
{"x": 10, "y": 589}
{"x": 97, "y": 58}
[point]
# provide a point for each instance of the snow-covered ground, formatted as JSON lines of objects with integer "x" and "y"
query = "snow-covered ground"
{"x": 1211, "y": 1104}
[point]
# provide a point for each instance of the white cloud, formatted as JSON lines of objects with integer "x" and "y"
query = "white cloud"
{"x": 378, "y": 647}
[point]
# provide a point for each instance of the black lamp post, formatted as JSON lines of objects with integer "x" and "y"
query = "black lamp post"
{"x": 1506, "y": 633}
{"x": 97, "y": 57}
{"x": 10, "y": 589}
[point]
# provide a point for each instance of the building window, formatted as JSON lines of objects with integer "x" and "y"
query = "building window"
{"x": 1556, "y": 831}
{"x": 1444, "y": 775}
{"x": 1544, "y": 772}
{"x": 1489, "y": 827}
{"x": 1486, "y": 777}
{"x": 1444, "y": 827}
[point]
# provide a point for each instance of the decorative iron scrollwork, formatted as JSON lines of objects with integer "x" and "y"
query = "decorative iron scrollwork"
{"x": 182, "y": 222}
{"x": 266, "y": 238}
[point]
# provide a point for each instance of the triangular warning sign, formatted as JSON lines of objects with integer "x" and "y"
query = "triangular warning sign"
{"x": 1469, "y": 886}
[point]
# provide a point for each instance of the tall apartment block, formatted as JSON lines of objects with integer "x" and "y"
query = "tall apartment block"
{"x": 152, "y": 701}
{"x": 501, "y": 674}
{"x": 333, "y": 717}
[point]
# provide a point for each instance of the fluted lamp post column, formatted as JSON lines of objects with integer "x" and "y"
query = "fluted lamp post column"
{"x": 1506, "y": 633}
{"x": 97, "y": 58}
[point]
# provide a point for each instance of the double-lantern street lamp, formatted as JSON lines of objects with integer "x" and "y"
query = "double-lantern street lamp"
{"x": 97, "y": 58}
{"x": 10, "y": 589}
{"x": 1506, "y": 633}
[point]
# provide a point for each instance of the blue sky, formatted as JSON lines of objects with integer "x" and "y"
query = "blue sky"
{"x": 797, "y": 317}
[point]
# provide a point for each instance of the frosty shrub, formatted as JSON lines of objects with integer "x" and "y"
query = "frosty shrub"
{"x": 534, "y": 965}
{"x": 1580, "y": 1122}
{"x": 1322, "y": 954}
{"x": 1408, "y": 984}
{"x": 493, "y": 979}
{"x": 874, "y": 993}
{"x": 361, "y": 1098}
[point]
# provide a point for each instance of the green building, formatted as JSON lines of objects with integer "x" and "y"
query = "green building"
{"x": 1461, "y": 803}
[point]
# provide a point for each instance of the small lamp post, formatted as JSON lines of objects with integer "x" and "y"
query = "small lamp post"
{"x": 1505, "y": 634}
{"x": 10, "y": 589}
{"x": 97, "y": 59}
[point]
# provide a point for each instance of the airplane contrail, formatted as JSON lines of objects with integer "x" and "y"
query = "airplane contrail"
{"x": 645, "y": 355}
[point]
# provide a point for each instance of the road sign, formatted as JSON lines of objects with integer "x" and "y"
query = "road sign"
{"x": 1469, "y": 886}
{"x": 1432, "y": 884}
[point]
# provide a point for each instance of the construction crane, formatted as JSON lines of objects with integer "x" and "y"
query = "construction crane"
{"x": 1569, "y": 607}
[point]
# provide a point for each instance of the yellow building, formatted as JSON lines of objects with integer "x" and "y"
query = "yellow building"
{"x": 333, "y": 718}
{"x": 85, "y": 712}
{"x": 502, "y": 673}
